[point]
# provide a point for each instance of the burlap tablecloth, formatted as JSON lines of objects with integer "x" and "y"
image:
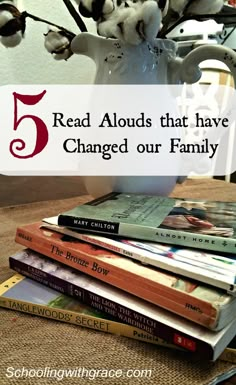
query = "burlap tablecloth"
{"x": 36, "y": 343}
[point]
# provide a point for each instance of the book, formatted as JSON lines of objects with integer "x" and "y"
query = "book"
{"x": 195, "y": 223}
{"x": 229, "y": 354}
{"x": 123, "y": 306}
{"x": 23, "y": 294}
{"x": 212, "y": 269}
{"x": 177, "y": 294}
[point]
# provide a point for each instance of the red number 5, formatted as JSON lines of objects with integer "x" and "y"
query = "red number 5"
{"x": 41, "y": 128}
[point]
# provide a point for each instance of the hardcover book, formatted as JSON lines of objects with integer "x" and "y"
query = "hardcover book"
{"x": 22, "y": 294}
{"x": 202, "y": 304}
{"x": 213, "y": 269}
{"x": 194, "y": 223}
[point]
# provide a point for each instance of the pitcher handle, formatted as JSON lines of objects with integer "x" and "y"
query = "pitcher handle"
{"x": 85, "y": 44}
{"x": 190, "y": 72}
{"x": 190, "y": 64}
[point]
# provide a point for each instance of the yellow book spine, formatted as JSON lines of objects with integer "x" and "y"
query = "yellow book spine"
{"x": 11, "y": 282}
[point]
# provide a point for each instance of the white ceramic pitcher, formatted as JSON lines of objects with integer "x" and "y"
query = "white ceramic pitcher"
{"x": 147, "y": 63}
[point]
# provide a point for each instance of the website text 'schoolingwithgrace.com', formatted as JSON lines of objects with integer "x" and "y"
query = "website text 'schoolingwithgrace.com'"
{"x": 78, "y": 372}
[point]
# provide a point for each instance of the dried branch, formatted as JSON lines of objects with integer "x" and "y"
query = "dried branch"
{"x": 75, "y": 15}
{"x": 25, "y": 14}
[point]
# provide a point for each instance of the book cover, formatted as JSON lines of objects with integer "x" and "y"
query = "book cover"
{"x": 194, "y": 223}
{"x": 199, "y": 303}
{"x": 23, "y": 294}
{"x": 213, "y": 269}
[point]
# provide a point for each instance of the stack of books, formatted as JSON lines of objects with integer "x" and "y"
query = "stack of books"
{"x": 157, "y": 269}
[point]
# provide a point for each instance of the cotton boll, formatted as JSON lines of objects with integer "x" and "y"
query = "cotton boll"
{"x": 133, "y": 28}
{"x": 199, "y": 7}
{"x": 133, "y": 22}
{"x": 12, "y": 25}
{"x": 196, "y": 7}
{"x": 113, "y": 26}
{"x": 87, "y": 4}
{"x": 108, "y": 7}
{"x": 108, "y": 29}
{"x": 164, "y": 6}
{"x": 66, "y": 54}
{"x": 5, "y": 16}
{"x": 178, "y": 5}
{"x": 95, "y": 8}
{"x": 55, "y": 41}
{"x": 58, "y": 45}
{"x": 11, "y": 41}
{"x": 11, "y": 2}
{"x": 142, "y": 23}
{"x": 152, "y": 16}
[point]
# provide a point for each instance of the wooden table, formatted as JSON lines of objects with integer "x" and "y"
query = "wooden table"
{"x": 32, "y": 341}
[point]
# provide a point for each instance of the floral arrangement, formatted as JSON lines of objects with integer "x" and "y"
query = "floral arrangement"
{"x": 132, "y": 21}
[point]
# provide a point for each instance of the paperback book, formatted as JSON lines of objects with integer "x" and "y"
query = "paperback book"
{"x": 202, "y": 304}
{"x": 23, "y": 294}
{"x": 213, "y": 269}
{"x": 229, "y": 354}
{"x": 194, "y": 223}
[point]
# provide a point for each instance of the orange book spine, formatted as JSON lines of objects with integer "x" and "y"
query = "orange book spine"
{"x": 142, "y": 281}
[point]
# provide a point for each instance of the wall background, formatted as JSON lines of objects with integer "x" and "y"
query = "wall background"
{"x": 30, "y": 63}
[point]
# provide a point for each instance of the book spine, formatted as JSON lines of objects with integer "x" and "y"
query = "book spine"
{"x": 228, "y": 355}
{"x": 174, "y": 300}
{"x": 83, "y": 320}
{"x": 162, "y": 235}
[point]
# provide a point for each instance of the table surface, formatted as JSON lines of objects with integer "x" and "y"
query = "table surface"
{"x": 126, "y": 351}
